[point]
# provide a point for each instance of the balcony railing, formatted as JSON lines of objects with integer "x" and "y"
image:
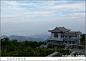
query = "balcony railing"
{"x": 55, "y": 38}
{"x": 61, "y": 39}
{"x": 69, "y": 34}
{"x": 70, "y": 39}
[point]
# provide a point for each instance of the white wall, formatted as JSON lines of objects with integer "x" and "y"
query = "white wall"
{"x": 59, "y": 35}
{"x": 52, "y": 34}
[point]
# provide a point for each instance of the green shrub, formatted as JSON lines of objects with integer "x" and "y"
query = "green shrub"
{"x": 50, "y": 46}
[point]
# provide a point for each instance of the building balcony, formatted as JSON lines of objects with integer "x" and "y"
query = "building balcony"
{"x": 55, "y": 38}
{"x": 54, "y": 43}
{"x": 70, "y": 39}
{"x": 69, "y": 34}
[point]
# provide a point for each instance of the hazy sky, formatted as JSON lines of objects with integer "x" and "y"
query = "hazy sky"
{"x": 28, "y": 18}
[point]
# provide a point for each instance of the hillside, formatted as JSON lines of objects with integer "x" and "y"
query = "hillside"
{"x": 22, "y": 38}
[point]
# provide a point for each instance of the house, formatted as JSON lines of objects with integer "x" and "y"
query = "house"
{"x": 62, "y": 36}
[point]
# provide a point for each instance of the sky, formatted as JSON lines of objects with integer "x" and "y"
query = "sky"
{"x": 27, "y": 18}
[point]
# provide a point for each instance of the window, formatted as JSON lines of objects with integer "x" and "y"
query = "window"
{"x": 62, "y": 36}
{"x": 59, "y": 42}
{"x": 69, "y": 36}
{"x": 69, "y": 41}
{"x": 73, "y": 42}
{"x": 55, "y": 34}
{"x": 65, "y": 36}
{"x": 73, "y": 37}
{"x": 65, "y": 41}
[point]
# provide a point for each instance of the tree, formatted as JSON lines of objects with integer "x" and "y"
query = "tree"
{"x": 6, "y": 41}
{"x": 83, "y": 39}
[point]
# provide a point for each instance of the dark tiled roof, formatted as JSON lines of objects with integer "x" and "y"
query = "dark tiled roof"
{"x": 59, "y": 29}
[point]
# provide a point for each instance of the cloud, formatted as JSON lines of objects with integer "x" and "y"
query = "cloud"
{"x": 50, "y": 3}
{"x": 75, "y": 15}
{"x": 9, "y": 6}
{"x": 44, "y": 25}
{"x": 67, "y": 7}
{"x": 41, "y": 15}
{"x": 16, "y": 3}
{"x": 36, "y": 17}
{"x": 45, "y": 5}
{"x": 78, "y": 14}
{"x": 32, "y": 14}
{"x": 33, "y": 4}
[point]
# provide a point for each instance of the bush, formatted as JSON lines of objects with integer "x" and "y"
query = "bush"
{"x": 50, "y": 46}
{"x": 64, "y": 52}
{"x": 63, "y": 46}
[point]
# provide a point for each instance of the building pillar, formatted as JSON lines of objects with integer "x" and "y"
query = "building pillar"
{"x": 59, "y": 35}
{"x": 75, "y": 42}
{"x": 71, "y": 42}
{"x": 64, "y": 41}
{"x": 51, "y": 35}
{"x": 79, "y": 42}
{"x": 67, "y": 43}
